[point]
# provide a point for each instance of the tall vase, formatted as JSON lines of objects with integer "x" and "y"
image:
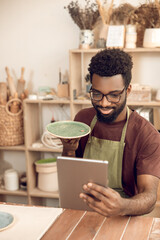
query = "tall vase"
{"x": 86, "y": 39}
{"x": 131, "y": 36}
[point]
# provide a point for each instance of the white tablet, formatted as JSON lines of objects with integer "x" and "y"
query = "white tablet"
{"x": 73, "y": 173}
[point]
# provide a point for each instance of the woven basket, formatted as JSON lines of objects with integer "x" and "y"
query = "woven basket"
{"x": 11, "y": 126}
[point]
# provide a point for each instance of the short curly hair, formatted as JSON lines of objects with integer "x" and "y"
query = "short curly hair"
{"x": 110, "y": 62}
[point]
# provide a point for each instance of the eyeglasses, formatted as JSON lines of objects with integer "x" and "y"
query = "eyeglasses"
{"x": 111, "y": 97}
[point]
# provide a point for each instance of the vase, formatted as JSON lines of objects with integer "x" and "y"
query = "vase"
{"x": 151, "y": 38}
{"x": 131, "y": 36}
{"x": 86, "y": 39}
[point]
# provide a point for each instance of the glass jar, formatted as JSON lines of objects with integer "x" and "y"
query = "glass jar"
{"x": 131, "y": 36}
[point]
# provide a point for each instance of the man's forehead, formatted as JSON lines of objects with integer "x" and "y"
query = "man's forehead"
{"x": 115, "y": 82}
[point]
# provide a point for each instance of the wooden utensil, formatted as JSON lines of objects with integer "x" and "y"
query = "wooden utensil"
{"x": 21, "y": 83}
{"x": 3, "y": 92}
{"x": 11, "y": 85}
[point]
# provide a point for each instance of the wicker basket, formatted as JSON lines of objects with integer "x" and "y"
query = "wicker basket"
{"x": 11, "y": 126}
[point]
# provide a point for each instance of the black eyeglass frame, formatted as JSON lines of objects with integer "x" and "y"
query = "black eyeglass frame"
{"x": 106, "y": 95}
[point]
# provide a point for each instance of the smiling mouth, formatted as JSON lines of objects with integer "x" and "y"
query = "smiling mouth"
{"x": 106, "y": 111}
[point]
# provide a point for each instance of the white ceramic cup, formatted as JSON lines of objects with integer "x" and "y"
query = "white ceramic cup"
{"x": 11, "y": 180}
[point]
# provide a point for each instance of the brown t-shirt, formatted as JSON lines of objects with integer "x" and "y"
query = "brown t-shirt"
{"x": 142, "y": 145}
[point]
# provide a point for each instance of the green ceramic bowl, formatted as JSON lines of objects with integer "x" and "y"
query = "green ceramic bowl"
{"x": 68, "y": 129}
{"x": 6, "y": 219}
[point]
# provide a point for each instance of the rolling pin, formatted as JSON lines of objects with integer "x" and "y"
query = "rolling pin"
{"x": 3, "y": 92}
{"x": 11, "y": 85}
{"x": 21, "y": 83}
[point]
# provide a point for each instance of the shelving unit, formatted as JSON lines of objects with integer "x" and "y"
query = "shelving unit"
{"x": 33, "y": 131}
{"x": 33, "y": 125}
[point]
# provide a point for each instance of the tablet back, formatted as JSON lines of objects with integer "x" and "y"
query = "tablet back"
{"x": 73, "y": 173}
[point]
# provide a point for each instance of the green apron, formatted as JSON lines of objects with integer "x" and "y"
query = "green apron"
{"x": 111, "y": 151}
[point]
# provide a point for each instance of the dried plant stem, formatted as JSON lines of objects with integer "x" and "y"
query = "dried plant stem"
{"x": 105, "y": 16}
{"x": 110, "y": 9}
{"x": 101, "y": 12}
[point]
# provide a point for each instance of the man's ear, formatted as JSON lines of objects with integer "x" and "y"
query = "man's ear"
{"x": 129, "y": 89}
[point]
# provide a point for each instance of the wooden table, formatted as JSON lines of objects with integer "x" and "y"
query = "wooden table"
{"x": 76, "y": 225}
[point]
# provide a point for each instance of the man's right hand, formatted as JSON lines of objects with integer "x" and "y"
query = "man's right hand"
{"x": 69, "y": 146}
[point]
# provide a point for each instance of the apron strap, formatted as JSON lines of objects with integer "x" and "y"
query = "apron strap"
{"x": 93, "y": 123}
{"x": 125, "y": 127}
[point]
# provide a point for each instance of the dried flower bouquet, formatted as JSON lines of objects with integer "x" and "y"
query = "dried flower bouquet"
{"x": 147, "y": 15}
{"x": 85, "y": 17}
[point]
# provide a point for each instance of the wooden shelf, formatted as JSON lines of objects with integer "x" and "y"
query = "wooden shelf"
{"x": 13, "y": 148}
{"x": 148, "y": 104}
{"x": 16, "y": 193}
{"x": 57, "y": 101}
{"x": 38, "y": 193}
{"x": 44, "y": 149}
{"x": 136, "y": 50}
{"x": 145, "y": 104}
{"x": 82, "y": 102}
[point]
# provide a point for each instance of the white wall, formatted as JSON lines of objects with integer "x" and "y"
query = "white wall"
{"x": 37, "y": 34}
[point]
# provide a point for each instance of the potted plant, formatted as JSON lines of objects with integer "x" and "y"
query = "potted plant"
{"x": 120, "y": 16}
{"x": 105, "y": 11}
{"x": 47, "y": 174}
{"x": 85, "y": 18}
{"x": 147, "y": 19}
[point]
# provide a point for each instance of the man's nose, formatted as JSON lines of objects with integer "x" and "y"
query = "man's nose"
{"x": 105, "y": 102}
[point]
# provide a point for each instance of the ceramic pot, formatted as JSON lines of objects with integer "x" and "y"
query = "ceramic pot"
{"x": 47, "y": 176}
{"x": 11, "y": 180}
{"x": 86, "y": 39}
{"x": 151, "y": 38}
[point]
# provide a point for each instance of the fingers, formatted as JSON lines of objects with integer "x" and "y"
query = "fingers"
{"x": 105, "y": 201}
{"x": 70, "y": 144}
{"x": 98, "y": 190}
{"x": 93, "y": 203}
{"x": 97, "y": 194}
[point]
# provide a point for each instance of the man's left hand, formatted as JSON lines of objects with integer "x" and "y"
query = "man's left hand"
{"x": 105, "y": 201}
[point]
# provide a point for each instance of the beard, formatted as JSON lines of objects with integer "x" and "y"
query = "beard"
{"x": 109, "y": 118}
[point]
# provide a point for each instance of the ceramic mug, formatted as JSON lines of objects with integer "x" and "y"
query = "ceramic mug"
{"x": 11, "y": 180}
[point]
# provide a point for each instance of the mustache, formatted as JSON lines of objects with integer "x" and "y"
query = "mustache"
{"x": 107, "y": 108}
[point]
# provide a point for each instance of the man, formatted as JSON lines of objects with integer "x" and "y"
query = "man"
{"x": 129, "y": 142}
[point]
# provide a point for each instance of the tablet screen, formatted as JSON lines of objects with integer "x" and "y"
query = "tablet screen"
{"x": 73, "y": 173}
